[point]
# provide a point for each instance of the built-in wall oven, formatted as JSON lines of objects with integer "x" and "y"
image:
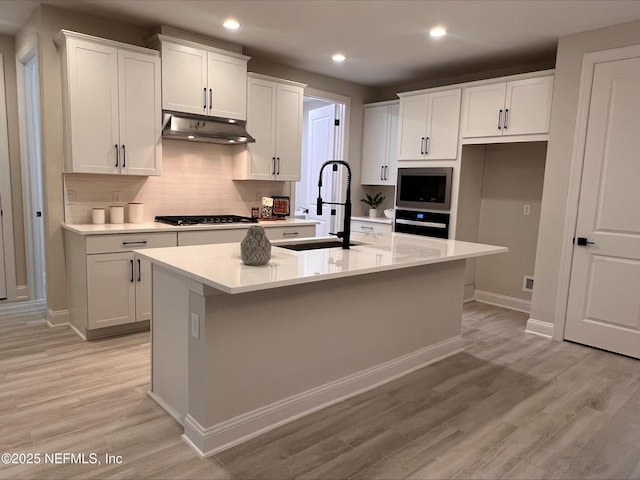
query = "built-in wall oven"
{"x": 423, "y": 201}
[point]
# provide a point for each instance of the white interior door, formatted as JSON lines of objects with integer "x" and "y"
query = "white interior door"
{"x": 604, "y": 295}
{"x": 320, "y": 149}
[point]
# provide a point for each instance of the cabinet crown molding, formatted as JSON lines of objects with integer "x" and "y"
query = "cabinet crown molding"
{"x": 156, "y": 40}
{"x": 276, "y": 79}
{"x": 476, "y": 83}
{"x": 63, "y": 35}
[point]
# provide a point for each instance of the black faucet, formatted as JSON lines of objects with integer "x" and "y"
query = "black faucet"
{"x": 346, "y": 229}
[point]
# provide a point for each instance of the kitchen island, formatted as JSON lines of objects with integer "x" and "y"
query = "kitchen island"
{"x": 239, "y": 350}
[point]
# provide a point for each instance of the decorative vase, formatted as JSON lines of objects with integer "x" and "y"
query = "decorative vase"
{"x": 373, "y": 212}
{"x": 255, "y": 249}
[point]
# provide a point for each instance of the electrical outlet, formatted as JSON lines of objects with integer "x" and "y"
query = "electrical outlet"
{"x": 195, "y": 325}
{"x": 526, "y": 209}
{"x": 527, "y": 283}
{"x": 71, "y": 196}
{"x": 259, "y": 198}
{"x": 116, "y": 196}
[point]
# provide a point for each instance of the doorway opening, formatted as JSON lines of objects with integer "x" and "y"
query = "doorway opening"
{"x": 31, "y": 160}
{"x": 323, "y": 134}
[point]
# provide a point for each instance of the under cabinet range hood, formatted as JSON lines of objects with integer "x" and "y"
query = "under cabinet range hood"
{"x": 201, "y": 128}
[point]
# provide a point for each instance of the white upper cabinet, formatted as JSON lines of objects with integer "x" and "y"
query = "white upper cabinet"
{"x": 519, "y": 107}
{"x": 203, "y": 80}
{"x": 379, "y": 144}
{"x": 111, "y": 97}
{"x": 274, "y": 119}
{"x": 428, "y": 125}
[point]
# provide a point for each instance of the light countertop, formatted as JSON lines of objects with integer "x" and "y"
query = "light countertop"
{"x": 108, "y": 228}
{"x": 220, "y": 266}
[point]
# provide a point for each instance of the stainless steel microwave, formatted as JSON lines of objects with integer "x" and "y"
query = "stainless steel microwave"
{"x": 424, "y": 188}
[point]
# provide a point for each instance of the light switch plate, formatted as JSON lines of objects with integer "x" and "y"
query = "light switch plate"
{"x": 195, "y": 325}
{"x": 526, "y": 209}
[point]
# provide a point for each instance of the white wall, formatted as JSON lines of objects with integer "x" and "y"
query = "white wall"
{"x": 496, "y": 181}
{"x": 560, "y": 149}
{"x": 513, "y": 177}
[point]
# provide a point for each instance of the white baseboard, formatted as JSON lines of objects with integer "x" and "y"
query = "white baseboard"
{"x": 469, "y": 294}
{"x": 538, "y": 327}
{"x": 503, "y": 301}
{"x": 207, "y": 441}
{"x": 57, "y": 318}
{"x": 23, "y": 307}
{"x": 170, "y": 410}
{"x": 22, "y": 293}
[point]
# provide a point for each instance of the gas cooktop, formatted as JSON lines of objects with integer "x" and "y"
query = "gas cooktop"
{"x": 203, "y": 219}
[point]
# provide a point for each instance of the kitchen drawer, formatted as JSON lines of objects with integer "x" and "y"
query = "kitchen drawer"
{"x": 359, "y": 226}
{"x": 298, "y": 231}
{"x": 206, "y": 237}
{"x": 129, "y": 241}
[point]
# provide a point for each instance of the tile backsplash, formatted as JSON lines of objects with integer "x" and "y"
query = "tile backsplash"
{"x": 196, "y": 179}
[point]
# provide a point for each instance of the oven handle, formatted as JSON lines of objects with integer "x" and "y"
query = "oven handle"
{"x": 421, "y": 224}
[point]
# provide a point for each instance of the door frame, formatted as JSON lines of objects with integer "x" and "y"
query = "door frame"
{"x": 32, "y": 174}
{"x": 5, "y": 192}
{"x": 341, "y": 143}
{"x": 589, "y": 60}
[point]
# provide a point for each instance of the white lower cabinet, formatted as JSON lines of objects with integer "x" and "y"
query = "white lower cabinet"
{"x": 111, "y": 290}
{"x": 363, "y": 225}
{"x": 108, "y": 285}
{"x": 204, "y": 237}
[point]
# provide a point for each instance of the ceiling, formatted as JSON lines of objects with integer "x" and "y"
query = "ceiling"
{"x": 385, "y": 42}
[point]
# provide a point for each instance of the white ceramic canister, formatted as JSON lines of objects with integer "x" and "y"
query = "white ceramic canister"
{"x": 136, "y": 212}
{"x": 97, "y": 216}
{"x": 116, "y": 214}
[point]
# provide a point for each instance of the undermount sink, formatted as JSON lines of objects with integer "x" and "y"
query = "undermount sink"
{"x": 311, "y": 245}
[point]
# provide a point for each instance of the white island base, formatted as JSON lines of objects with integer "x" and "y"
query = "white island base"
{"x": 229, "y": 367}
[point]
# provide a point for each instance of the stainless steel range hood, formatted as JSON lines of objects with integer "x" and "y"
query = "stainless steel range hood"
{"x": 201, "y": 128}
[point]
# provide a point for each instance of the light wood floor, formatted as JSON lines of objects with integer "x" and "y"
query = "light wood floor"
{"x": 513, "y": 405}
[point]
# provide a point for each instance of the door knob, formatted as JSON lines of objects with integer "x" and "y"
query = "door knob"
{"x": 584, "y": 241}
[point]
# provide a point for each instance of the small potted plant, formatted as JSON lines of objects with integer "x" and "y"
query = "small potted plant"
{"x": 374, "y": 202}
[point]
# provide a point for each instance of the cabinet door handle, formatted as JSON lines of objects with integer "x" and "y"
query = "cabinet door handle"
{"x": 210, "y": 99}
{"x": 124, "y": 157}
{"x": 422, "y": 146}
{"x": 500, "y": 120}
{"x": 139, "y": 242}
{"x": 506, "y": 118}
{"x": 382, "y": 172}
{"x": 117, "y": 156}
{"x": 204, "y": 99}
{"x": 273, "y": 164}
{"x": 131, "y": 261}
{"x": 139, "y": 271}
{"x": 426, "y": 145}
{"x": 278, "y": 159}
{"x": 290, "y": 234}
{"x": 386, "y": 172}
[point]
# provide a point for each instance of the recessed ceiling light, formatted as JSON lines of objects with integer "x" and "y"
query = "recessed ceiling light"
{"x": 338, "y": 57}
{"x": 231, "y": 24}
{"x": 437, "y": 32}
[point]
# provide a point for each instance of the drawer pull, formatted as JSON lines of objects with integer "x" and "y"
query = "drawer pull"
{"x": 289, "y": 234}
{"x": 366, "y": 228}
{"x": 139, "y": 242}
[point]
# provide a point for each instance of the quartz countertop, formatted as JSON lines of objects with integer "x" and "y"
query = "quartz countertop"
{"x": 108, "y": 228}
{"x": 219, "y": 266}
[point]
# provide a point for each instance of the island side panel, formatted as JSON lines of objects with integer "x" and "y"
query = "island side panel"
{"x": 169, "y": 343}
{"x": 263, "y": 347}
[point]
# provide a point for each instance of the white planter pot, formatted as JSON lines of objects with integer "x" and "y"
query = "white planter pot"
{"x": 373, "y": 212}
